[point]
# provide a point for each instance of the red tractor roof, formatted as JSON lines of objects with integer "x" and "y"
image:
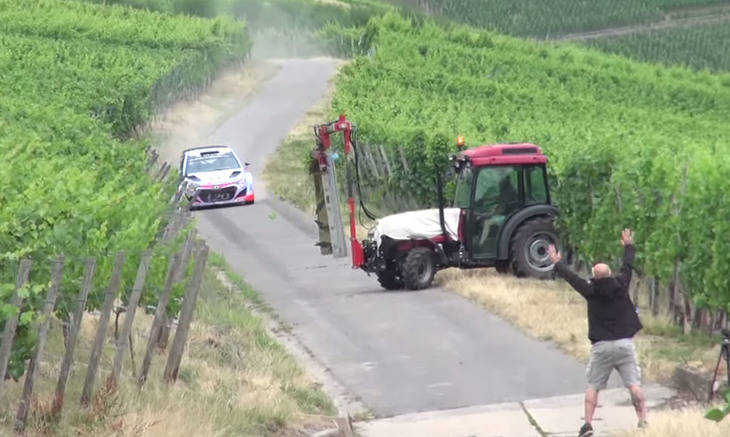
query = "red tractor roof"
{"x": 505, "y": 154}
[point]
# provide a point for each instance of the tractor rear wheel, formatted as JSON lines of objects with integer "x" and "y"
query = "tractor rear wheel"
{"x": 529, "y": 248}
{"x": 418, "y": 268}
{"x": 389, "y": 280}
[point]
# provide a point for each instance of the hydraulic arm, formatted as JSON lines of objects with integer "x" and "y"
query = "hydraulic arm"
{"x": 329, "y": 219}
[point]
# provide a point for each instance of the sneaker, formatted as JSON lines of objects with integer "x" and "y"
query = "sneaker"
{"x": 642, "y": 424}
{"x": 586, "y": 431}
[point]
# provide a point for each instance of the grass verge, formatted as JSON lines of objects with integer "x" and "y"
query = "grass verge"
{"x": 685, "y": 423}
{"x": 551, "y": 311}
{"x": 235, "y": 379}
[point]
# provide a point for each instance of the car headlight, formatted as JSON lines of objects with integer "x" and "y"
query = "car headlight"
{"x": 190, "y": 188}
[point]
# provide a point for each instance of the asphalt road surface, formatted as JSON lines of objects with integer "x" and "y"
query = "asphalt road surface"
{"x": 399, "y": 352}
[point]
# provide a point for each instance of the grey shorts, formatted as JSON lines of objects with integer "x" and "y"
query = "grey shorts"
{"x": 609, "y": 355}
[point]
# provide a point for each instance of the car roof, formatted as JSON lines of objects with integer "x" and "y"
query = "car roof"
{"x": 198, "y": 151}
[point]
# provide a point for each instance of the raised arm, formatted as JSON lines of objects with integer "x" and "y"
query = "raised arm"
{"x": 624, "y": 275}
{"x": 579, "y": 284}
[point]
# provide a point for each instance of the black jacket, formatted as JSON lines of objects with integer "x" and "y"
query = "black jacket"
{"x": 611, "y": 314}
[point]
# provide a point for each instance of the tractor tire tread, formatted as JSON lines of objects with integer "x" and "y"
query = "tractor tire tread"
{"x": 413, "y": 279}
{"x": 389, "y": 280}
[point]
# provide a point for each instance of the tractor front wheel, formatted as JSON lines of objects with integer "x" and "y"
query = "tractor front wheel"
{"x": 418, "y": 268}
{"x": 529, "y": 248}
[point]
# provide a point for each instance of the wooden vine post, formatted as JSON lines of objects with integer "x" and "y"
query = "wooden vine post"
{"x": 106, "y": 310}
{"x": 56, "y": 275}
{"x": 11, "y": 324}
{"x": 68, "y": 356}
{"x": 186, "y": 316}
{"x": 123, "y": 339}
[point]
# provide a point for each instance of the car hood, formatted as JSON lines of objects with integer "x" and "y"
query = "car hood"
{"x": 215, "y": 177}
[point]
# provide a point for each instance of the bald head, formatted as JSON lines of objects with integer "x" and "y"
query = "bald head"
{"x": 601, "y": 270}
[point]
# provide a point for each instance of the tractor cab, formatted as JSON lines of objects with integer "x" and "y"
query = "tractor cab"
{"x": 497, "y": 188}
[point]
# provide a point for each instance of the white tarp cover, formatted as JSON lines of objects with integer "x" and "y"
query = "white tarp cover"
{"x": 417, "y": 224}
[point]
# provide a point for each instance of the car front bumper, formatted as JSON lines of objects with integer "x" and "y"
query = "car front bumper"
{"x": 220, "y": 195}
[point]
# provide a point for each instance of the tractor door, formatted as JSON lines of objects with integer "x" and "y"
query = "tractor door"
{"x": 497, "y": 194}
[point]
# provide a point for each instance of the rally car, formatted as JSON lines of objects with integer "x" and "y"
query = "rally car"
{"x": 213, "y": 175}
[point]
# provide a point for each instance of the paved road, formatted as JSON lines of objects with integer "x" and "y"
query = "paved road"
{"x": 399, "y": 352}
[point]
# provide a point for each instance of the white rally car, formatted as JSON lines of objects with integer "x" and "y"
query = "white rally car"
{"x": 213, "y": 175}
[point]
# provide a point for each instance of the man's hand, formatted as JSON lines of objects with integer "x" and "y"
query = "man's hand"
{"x": 627, "y": 237}
{"x": 554, "y": 254}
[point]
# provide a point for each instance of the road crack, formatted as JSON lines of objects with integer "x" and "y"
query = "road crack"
{"x": 532, "y": 421}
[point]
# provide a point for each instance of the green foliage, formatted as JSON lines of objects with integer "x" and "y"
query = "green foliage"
{"x": 699, "y": 47}
{"x": 201, "y": 8}
{"x": 347, "y": 42}
{"x": 629, "y": 144}
{"x": 78, "y": 79}
{"x": 285, "y": 27}
{"x": 310, "y": 400}
{"x": 305, "y": 27}
{"x": 291, "y": 15}
{"x": 305, "y": 14}
{"x": 548, "y": 18}
{"x": 718, "y": 414}
{"x": 118, "y": 25}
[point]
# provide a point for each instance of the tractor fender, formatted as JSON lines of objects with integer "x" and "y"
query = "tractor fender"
{"x": 404, "y": 246}
{"x": 515, "y": 221}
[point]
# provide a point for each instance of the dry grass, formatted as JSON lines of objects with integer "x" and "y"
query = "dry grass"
{"x": 542, "y": 308}
{"x": 684, "y": 423}
{"x": 551, "y": 311}
{"x": 235, "y": 379}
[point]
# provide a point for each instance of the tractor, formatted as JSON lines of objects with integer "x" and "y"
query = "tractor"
{"x": 501, "y": 216}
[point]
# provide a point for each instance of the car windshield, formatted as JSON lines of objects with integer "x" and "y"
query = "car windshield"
{"x": 219, "y": 161}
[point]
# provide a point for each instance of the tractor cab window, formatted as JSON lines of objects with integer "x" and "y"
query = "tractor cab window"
{"x": 462, "y": 198}
{"x": 497, "y": 190}
{"x": 497, "y": 195}
{"x": 535, "y": 189}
